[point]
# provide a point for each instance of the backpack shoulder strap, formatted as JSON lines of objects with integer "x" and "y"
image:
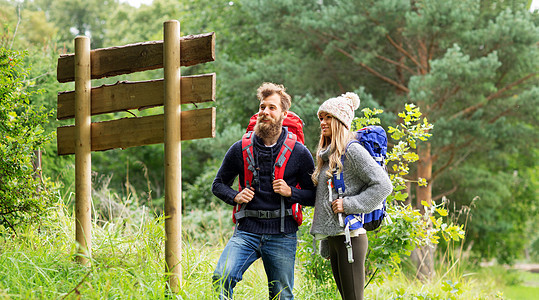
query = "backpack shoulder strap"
{"x": 284, "y": 155}
{"x": 249, "y": 171}
{"x": 338, "y": 178}
{"x": 280, "y": 164}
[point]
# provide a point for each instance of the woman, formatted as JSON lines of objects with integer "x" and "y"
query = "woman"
{"x": 367, "y": 185}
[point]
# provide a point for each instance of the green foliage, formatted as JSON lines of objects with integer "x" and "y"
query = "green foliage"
{"x": 210, "y": 225}
{"x": 409, "y": 228}
{"x": 198, "y": 194}
{"x": 23, "y": 194}
{"x": 316, "y": 268}
{"x": 500, "y": 219}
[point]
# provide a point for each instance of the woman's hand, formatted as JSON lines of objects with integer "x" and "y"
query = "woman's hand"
{"x": 337, "y": 206}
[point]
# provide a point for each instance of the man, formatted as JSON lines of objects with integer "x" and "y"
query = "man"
{"x": 264, "y": 236}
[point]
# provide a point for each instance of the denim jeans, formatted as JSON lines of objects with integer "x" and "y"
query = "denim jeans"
{"x": 278, "y": 253}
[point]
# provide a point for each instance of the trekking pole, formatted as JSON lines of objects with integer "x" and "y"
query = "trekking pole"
{"x": 330, "y": 188}
{"x": 374, "y": 274}
{"x": 371, "y": 278}
{"x": 341, "y": 221}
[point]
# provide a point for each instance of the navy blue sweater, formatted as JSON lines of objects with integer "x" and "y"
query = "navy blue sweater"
{"x": 298, "y": 170}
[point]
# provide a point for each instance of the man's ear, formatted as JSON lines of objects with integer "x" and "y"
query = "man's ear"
{"x": 285, "y": 113}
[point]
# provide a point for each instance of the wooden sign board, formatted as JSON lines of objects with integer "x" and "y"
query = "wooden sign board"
{"x": 169, "y": 128}
{"x": 136, "y": 95}
{"x": 106, "y": 62}
{"x": 132, "y": 132}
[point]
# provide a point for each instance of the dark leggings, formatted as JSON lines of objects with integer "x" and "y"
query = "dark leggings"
{"x": 349, "y": 277}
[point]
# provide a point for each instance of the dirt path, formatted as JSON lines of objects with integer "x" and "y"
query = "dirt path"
{"x": 533, "y": 268}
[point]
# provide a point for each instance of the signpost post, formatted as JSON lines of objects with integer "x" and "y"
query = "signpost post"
{"x": 169, "y": 128}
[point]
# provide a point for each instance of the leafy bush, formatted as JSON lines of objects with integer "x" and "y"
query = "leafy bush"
{"x": 408, "y": 228}
{"x": 316, "y": 268}
{"x": 23, "y": 194}
{"x": 209, "y": 226}
{"x": 198, "y": 195}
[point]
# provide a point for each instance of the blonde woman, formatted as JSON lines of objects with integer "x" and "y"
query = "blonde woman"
{"x": 367, "y": 185}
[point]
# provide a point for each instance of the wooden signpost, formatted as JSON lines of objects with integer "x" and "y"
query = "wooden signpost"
{"x": 169, "y": 128}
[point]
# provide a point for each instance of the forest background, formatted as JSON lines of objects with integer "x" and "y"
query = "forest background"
{"x": 470, "y": 66}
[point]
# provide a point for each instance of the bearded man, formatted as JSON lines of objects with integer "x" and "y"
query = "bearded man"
{"x": 264, "y": 231}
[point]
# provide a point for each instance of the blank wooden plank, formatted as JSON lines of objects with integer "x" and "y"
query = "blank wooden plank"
{"x": 113, "y": 61}
{"x": 140, "y": 94}
{"x": 132, "y": 132}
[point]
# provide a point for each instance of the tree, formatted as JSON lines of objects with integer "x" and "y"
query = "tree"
{"x": 76, "y": 17}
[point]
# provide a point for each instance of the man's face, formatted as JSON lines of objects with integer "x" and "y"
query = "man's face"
{"x": 270, "y": 117}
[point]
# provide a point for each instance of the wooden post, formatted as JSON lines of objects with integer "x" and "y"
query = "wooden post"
{"x": 173, "y": 184}
{"x": 83, "y": 159}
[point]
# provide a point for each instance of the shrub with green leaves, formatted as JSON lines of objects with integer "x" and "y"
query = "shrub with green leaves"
{"x": 408, "y": 228}
{"x": 23, "y": 195}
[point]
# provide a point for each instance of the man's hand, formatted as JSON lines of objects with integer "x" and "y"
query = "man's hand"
{"x": 337, "y": 206}
{"x": 245, "y": 196}
{"x": 280, "y": 187}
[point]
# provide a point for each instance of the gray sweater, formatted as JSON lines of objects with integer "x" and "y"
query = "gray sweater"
{"x": 367, "y": 185}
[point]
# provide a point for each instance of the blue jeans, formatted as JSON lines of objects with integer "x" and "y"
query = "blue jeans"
{"x": 278, "y": 253}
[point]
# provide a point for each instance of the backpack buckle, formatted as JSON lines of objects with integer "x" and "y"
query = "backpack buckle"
{"x": 263, "y": 214}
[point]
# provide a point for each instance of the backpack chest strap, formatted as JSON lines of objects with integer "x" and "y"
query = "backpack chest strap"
{"x": 262, "y": 214}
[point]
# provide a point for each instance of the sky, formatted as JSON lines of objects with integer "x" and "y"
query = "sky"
{"x": 137, "y": 3}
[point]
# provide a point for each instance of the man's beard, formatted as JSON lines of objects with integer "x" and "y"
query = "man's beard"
{"x": 268, "y": 130}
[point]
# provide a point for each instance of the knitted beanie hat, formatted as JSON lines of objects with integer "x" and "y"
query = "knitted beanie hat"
{"x": 341, "y": 107}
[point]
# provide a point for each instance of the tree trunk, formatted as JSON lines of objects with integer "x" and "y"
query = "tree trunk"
{"x": 36, "y": 164}
{"x": 424, "y": 256}
{"x": 408, "y": 200}
{"x": 424, "y": 170}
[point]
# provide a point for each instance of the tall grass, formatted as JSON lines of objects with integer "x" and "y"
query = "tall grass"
{"x": 128, "y": 263}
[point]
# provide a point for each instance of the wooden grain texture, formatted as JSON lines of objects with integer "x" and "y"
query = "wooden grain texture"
{"x": 173, "y": 154}
{"x": 127, "y": 95}
{"x": 82, "y": 150}
{"x": 113, "y": 61}
{"x": 132, "y": 132}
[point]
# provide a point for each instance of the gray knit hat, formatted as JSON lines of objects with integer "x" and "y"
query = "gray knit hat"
{"x": 341, "y": 107}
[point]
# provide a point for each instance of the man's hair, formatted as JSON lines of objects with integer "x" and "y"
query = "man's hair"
{"x": 267, "y": 89}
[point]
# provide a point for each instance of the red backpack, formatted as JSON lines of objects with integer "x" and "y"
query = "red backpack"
{"x": 295, "y": 133}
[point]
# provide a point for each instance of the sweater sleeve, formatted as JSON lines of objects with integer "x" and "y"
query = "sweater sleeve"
{"x": 230, "y": 168}
{"x": 369, "y": 182}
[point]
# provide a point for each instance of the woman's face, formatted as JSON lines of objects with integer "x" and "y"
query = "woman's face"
{"x": 325, "y": 123}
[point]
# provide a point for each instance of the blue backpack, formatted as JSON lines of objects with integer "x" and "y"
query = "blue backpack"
{"x": 374, "y": 139}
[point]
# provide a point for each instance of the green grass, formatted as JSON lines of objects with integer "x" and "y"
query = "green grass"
{"x": 128, "y": 263}
{"x": 526, "y": 289}
{"x": 521, "y": 293}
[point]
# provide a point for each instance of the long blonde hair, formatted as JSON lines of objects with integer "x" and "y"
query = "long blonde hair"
{"x": 340, "y": 136}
